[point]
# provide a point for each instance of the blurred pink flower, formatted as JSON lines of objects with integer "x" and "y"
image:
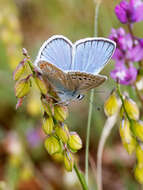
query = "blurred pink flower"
{"x": 34, "y": 137}
{"x": 136, "y": 53}
{"x": 124, "y": 75}
{"x": 124, "y": 43}
{"x": 129, "y": 12}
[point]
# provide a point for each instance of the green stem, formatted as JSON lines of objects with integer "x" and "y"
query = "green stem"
{"x": 81, "y": 178}
{"x": 31, "y": 66}
{"x": 88, "y": 133}
{"x": 91, "y": 100}
{"x": 122, "y": 100}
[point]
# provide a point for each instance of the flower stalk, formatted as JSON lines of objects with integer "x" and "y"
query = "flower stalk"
{"x": 97, "y": 4}
{"x": 81, "y": 178}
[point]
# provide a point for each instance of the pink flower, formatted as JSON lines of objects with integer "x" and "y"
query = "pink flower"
{"x": 124, "y": 75}
{"x": 34, "y": 137}
{"x": 129, "y": 12}
{"x": 136, "y": 53}
{"x": 124, "y": 43}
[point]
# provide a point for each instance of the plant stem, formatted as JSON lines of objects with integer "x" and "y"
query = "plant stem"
{"x": 122, "y": 100}
{"x": 139, "y": 63}
{"x": 131, "y": 32}
{"x": 88, "y": 134}
{"x": 31, "y": 66}
{"x": 91, "y": 99}
{"x": 81, "y": 178}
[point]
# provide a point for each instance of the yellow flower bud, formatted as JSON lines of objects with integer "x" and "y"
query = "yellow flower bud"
{"x": 139, "y": 155}
{"x": 68, "y": 161}
{"x": 19, "y": 70}
{"x": 74, "y": 142}
{"x": 131, "y": 108}
{"x": 22, "y": 88}
{"x": 58, "y": 157}
{"x": 52, "y": 145}
{"x": 138, "y": 172}
{"x": 128, "y": 140}
{"x": 111, "y": 105}
{"x": 48, "y": 125}
{"x": 137, "y": 127}
{"x": 62, "y": 132}
{"x": 41, "y": 84}
{"x": 60, "y": 112}
{"x": 46, "y": 107}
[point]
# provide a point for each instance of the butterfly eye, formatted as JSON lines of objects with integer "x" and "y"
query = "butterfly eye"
{"x": 80, "y": 97}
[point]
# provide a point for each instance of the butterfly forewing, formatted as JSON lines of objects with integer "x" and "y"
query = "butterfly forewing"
{"x": 92, "y": 54}
{"x": 57, "y": 50}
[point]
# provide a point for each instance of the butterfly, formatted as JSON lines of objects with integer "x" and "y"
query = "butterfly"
{"x": 72, "y": 69}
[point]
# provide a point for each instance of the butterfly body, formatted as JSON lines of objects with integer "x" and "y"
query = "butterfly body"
{"x": 72, "y": 69}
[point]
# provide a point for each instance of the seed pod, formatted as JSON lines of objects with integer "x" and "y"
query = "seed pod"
{"x": 60, "y": 113}
{"x": 62, "y": 132}
{"x": 139, "y": 155}
{"x": 128, "y": 140}
{"x": 137, "y": 127}
{"x": 131, "y": 108}
{"x": 22, "y": 88}
{"x": 52, "y": 145}
{"x": 48, "y": 125}
{"x": 138, "y": 172}
{"x": 111, "y": 105}
{"x": 41, "y": 84}
{"x": 68, "y": 161}
{"x": 19, "y": 70}
{"x": 74, "y": 141}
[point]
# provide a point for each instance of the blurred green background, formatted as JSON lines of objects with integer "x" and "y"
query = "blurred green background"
{"x": 24, "y": 163}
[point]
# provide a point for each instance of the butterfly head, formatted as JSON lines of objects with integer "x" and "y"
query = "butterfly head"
{"x": 69, "y": 96}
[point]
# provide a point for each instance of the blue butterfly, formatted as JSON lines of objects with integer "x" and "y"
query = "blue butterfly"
{"x": 72, "y": 69}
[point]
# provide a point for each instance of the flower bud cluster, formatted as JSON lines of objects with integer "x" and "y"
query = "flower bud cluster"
{"x": 60, "y": 143}
{"x": 131, "y": 128}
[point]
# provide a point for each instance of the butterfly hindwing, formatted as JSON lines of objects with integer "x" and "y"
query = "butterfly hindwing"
{"x": 84, "y": 81}
{"x": 57, "y": 50}
{"x": 92, "y": 54}
{"x": 58, "y": 79}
